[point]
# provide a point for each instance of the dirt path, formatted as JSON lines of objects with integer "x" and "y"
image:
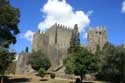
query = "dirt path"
{"x": 29, "y": 78}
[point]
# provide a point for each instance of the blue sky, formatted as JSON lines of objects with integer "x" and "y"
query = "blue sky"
{"x": 109, "y": 13}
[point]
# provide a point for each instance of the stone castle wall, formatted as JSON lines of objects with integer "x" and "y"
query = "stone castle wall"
{"x": 63, "y": 35}
{"x": 54, "y": 42}
{"x": 40, "y": 42}
{"x": 96, "y": 36}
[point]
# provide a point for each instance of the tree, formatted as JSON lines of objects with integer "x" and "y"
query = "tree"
{"x": 99, "y": 57}
{"x": 6, "y": 58}
{"x": 26, "y": 49}
{"x": 39, "y": 62}
{"x": 105, "y": 56}
{"x": 81, "y": 63}
{"x": 9, "y": 19}
{"x": 120, "y": 62}
{"x": 11, "y": 68}
{"x": 115, "y": 55}
{"x": 75, "y": 41}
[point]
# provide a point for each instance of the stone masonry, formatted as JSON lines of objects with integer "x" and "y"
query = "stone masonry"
{"x": 22, "y": 66}
{"x": 96, "y": 36}
{"x": 54, "y": 42}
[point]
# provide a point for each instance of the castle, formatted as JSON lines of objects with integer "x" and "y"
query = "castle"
{"x": 56, "y": 40}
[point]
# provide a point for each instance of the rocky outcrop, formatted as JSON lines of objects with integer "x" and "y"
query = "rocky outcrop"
{"x": 22, "y": 65}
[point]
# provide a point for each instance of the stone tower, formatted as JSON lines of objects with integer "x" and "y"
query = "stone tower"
{"x": 54, "y": 42}
{"x": 96, "y": 36}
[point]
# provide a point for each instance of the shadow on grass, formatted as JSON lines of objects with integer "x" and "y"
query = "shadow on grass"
{"x": 43, "y": 79}
{"x": 15, "y": 80}
{"x": 82, "y": 82}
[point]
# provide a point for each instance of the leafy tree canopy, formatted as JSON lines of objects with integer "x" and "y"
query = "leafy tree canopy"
{"x": 81, "y": 62}
{"x": 39, "y": 60}
{"x": 9, "y": 19}
{"x": 112, "y": 62}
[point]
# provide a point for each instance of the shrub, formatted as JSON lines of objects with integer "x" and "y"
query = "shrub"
{"x": 52, "y": 76}
{"x": 41, "y": 72}
{"x": 77, "y": 80}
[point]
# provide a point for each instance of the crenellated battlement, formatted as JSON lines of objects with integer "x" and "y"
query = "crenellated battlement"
{"x": 98, "y": 28}
{"x": 61, "y": 26}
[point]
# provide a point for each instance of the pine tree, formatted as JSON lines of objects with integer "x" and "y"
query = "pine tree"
{"x": 75, "y": 41}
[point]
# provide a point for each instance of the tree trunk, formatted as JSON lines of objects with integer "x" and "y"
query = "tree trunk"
{"x": 2, "y": 78}
{"x": 81, "y": 77}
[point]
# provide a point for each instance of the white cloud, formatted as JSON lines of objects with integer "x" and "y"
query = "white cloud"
{"x": 123, "y": 6}
{"x": 61, "y": 12}
{"x": 86, "y": 35}
{"x": 28, "y": 35}
{"x": 89, "y": 13}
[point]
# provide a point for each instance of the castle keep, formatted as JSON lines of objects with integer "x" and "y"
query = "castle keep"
{"x": 54, "y": 43}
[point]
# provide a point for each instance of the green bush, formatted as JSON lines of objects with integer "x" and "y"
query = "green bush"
{"x": 41, "y": 72}
{"x": 52, "y": 76}
{"x": 77, "y": 80}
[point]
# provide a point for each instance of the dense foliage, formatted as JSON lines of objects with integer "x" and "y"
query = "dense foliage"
{"x": 112, "y": 63}
{"x": 52, "y": 75}
{"x": 81, "y": 63}
{"x": 6, "y": 58}
{"x": 39, "y": 62}
{"x": 9, "y": 19}
{"x": 75, "y": 41}
{"x": 41, "y": 72}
